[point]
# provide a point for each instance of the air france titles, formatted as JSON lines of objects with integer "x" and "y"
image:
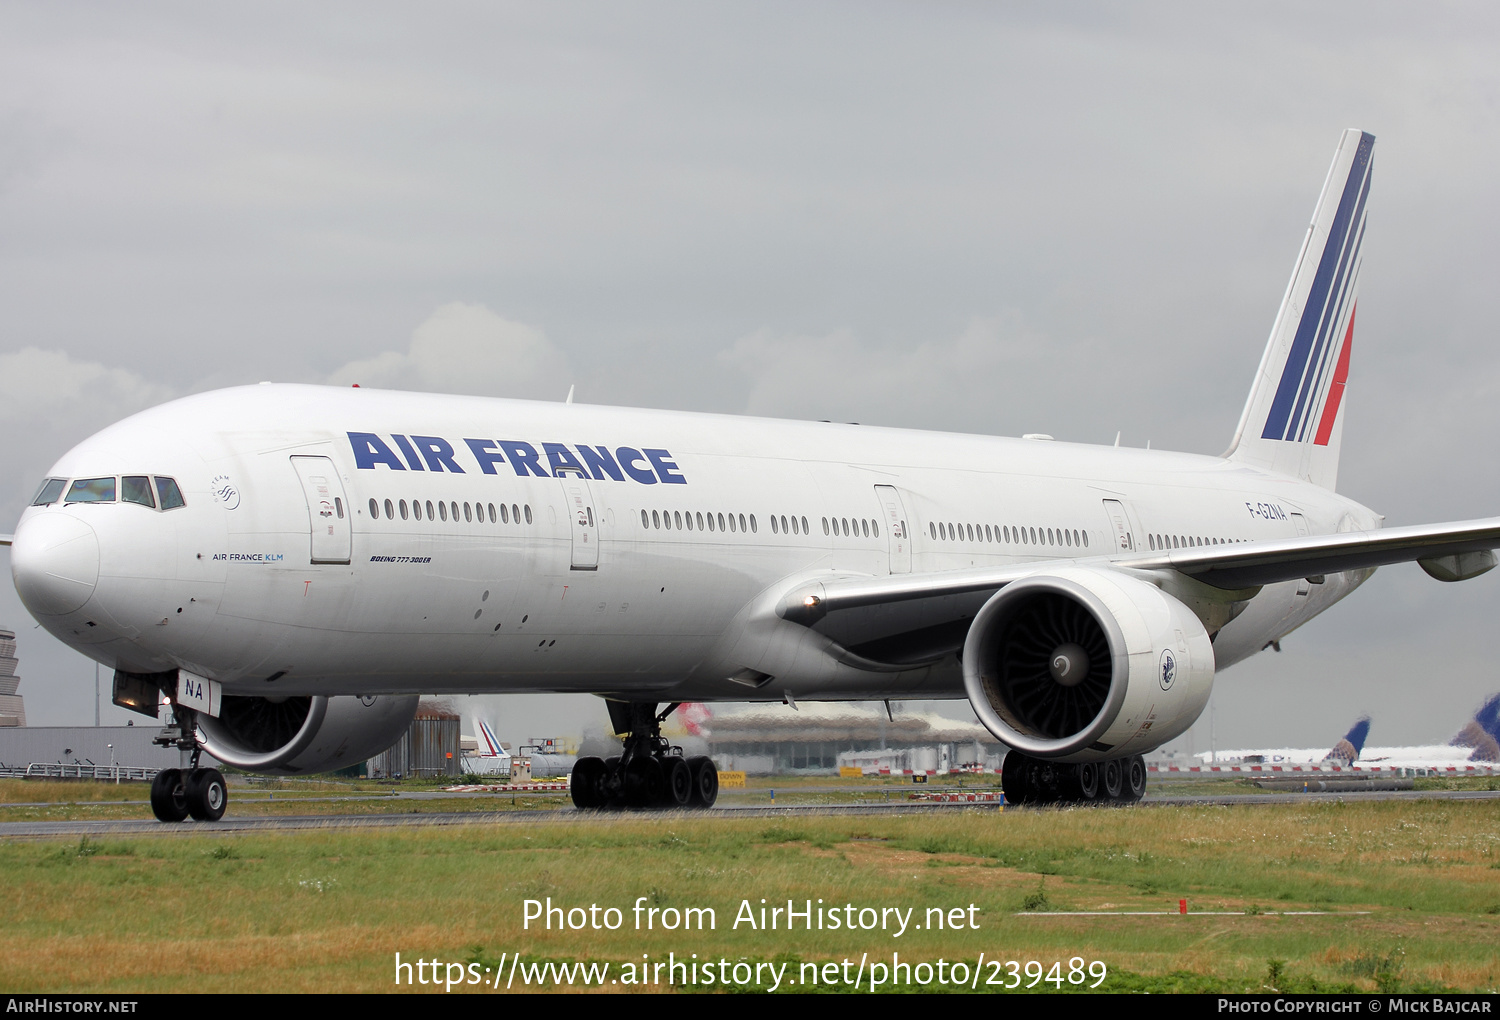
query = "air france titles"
{"x": 646, "y": 465}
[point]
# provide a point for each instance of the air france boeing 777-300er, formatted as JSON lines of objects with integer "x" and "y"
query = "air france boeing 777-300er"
{"x": 290, "y": 567}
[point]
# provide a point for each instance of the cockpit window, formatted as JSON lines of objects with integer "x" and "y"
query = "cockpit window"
{"x": 171, "y": 495}
{"x": 51, "y": 490}
{"x": 137, "y": 489}
{"x": 92, "y": 490}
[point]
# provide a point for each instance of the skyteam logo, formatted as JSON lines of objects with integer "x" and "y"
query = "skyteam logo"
{"x": 647, "y": 465}
{"x": 1168, "y": 669}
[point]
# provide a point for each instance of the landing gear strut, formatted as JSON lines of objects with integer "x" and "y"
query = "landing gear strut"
{"x": 1028, "y": 780}
{"x": 189, "y": 790}
{"x": 650, "y": 773}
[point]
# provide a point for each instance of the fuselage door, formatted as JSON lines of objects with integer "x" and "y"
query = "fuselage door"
{"x": 583, "y": 520}
{"x": 1119, "y": 522}
{"x": 327, "y": 509}
{"x": 897, "y": 531}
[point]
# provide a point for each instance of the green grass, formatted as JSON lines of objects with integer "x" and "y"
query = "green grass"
{"x": 328, "y": 910}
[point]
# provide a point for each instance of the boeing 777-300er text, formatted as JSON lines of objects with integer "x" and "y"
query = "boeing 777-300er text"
{"x": 291, "y": 566}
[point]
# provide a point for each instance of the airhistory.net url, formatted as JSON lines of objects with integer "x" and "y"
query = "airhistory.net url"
{"x": 511, "y": 972}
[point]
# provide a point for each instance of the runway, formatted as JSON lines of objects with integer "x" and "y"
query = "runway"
{"x": 569, "y": 815}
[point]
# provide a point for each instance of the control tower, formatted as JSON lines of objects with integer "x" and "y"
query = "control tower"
{"x": 12, "y": 709}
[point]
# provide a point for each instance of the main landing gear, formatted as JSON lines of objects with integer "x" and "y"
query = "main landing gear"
{"x": 1028, "y": 780}
{"x": 650, "y": 773}
{"x": 188, "y": 791}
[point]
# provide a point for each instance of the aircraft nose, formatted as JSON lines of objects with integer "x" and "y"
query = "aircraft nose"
{"x": 55, "y": 562}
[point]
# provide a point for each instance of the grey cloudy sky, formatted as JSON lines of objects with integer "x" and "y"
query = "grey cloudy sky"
{"x": 1065, "y": 218}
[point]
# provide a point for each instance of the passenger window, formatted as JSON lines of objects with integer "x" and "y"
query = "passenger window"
{"x": 677, "y": 519}
{"x": 721, "y": 521}
{"x": 402, "y": 507}
{"x": 528, "y": 513}
{"x": 171, "y": 495}
{"x": 655, "y": 520}
{"x": 505, "y": 514}
{"x": 710, "y": 520}
{"x": 492, "y": 513}
{"x": 825, "y": 527}
{"x": 442, "y": 509}
{"x": 338, "y": 506}
{"x": 805, "y": 529}
{"x": 591, "y": 515}
{"x": 731, "y": 522}
{"x": 390, "y": 510}
{"x": 416, "y": 509}
{"x": 864, "y": 526}
{"x": 137, "y": 489}
{"x": 49, "y": 492}
{"x": 430, "y": 515}
{"x": 645, "y": 521}
{"x": 92, "y": 490}
{"x": 454, "y": 507}
{"x": 773, "y": 524}
{"x": 468, "y": 517}
{"x": 689, "y": 521}
{"x": 374, "y": 509}
{"x": 875, "y": 528}
{"x": 753, "y": 528}
{"x": 700, "y": 520}
{"x": 742, "y": 521}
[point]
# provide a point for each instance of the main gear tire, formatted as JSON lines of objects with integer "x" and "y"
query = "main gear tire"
{"x": 168, "y": 796}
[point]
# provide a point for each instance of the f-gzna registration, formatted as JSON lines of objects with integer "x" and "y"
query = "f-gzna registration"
{"x": 291, "y": 566}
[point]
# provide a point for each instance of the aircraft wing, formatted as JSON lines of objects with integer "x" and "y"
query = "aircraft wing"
{"x": 1465, "y": 545}
{"x": 6, "y": 539}
{"x": 903, "y": 620}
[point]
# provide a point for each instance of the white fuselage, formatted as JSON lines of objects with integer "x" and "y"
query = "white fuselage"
{"x": 580, "y": 594}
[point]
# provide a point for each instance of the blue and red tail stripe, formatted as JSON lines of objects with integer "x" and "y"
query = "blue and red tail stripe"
{"x": 1307, "y": 362}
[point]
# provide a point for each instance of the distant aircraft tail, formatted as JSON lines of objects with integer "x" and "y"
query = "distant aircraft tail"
{"x": 1293, "y": 420}
{"x": 489, "y": 744}
{"x": 1348, "y": 749}
{"x": 1482, "y": 733}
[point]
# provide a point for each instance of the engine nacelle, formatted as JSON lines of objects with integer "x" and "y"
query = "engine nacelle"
{"x": 1086, "y": 665}
{"x": 294, "y": 736}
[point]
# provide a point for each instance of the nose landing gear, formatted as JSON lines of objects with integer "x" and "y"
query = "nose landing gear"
{"x": 188, "y": 791}
{"x": 651, "y": 773}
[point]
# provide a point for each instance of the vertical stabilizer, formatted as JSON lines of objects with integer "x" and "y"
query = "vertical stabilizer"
{"x": 1293, "y": 421}
{"x": 1482, "y": 732}
{"x": 1348, "y": 749}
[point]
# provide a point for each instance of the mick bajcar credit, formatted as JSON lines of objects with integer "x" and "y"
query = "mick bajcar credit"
{"x": 517, "y": 968}
{"x": 1353, "y": 1003}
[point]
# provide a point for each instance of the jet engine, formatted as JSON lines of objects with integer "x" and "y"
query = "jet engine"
{"x": 1086, "y": 665}
{"x": 296, "y": 735}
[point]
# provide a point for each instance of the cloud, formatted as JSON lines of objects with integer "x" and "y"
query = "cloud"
{"x": 994, "y": 375}
{"x": 38, "y": 385}
{"x": 464, "y": 348}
